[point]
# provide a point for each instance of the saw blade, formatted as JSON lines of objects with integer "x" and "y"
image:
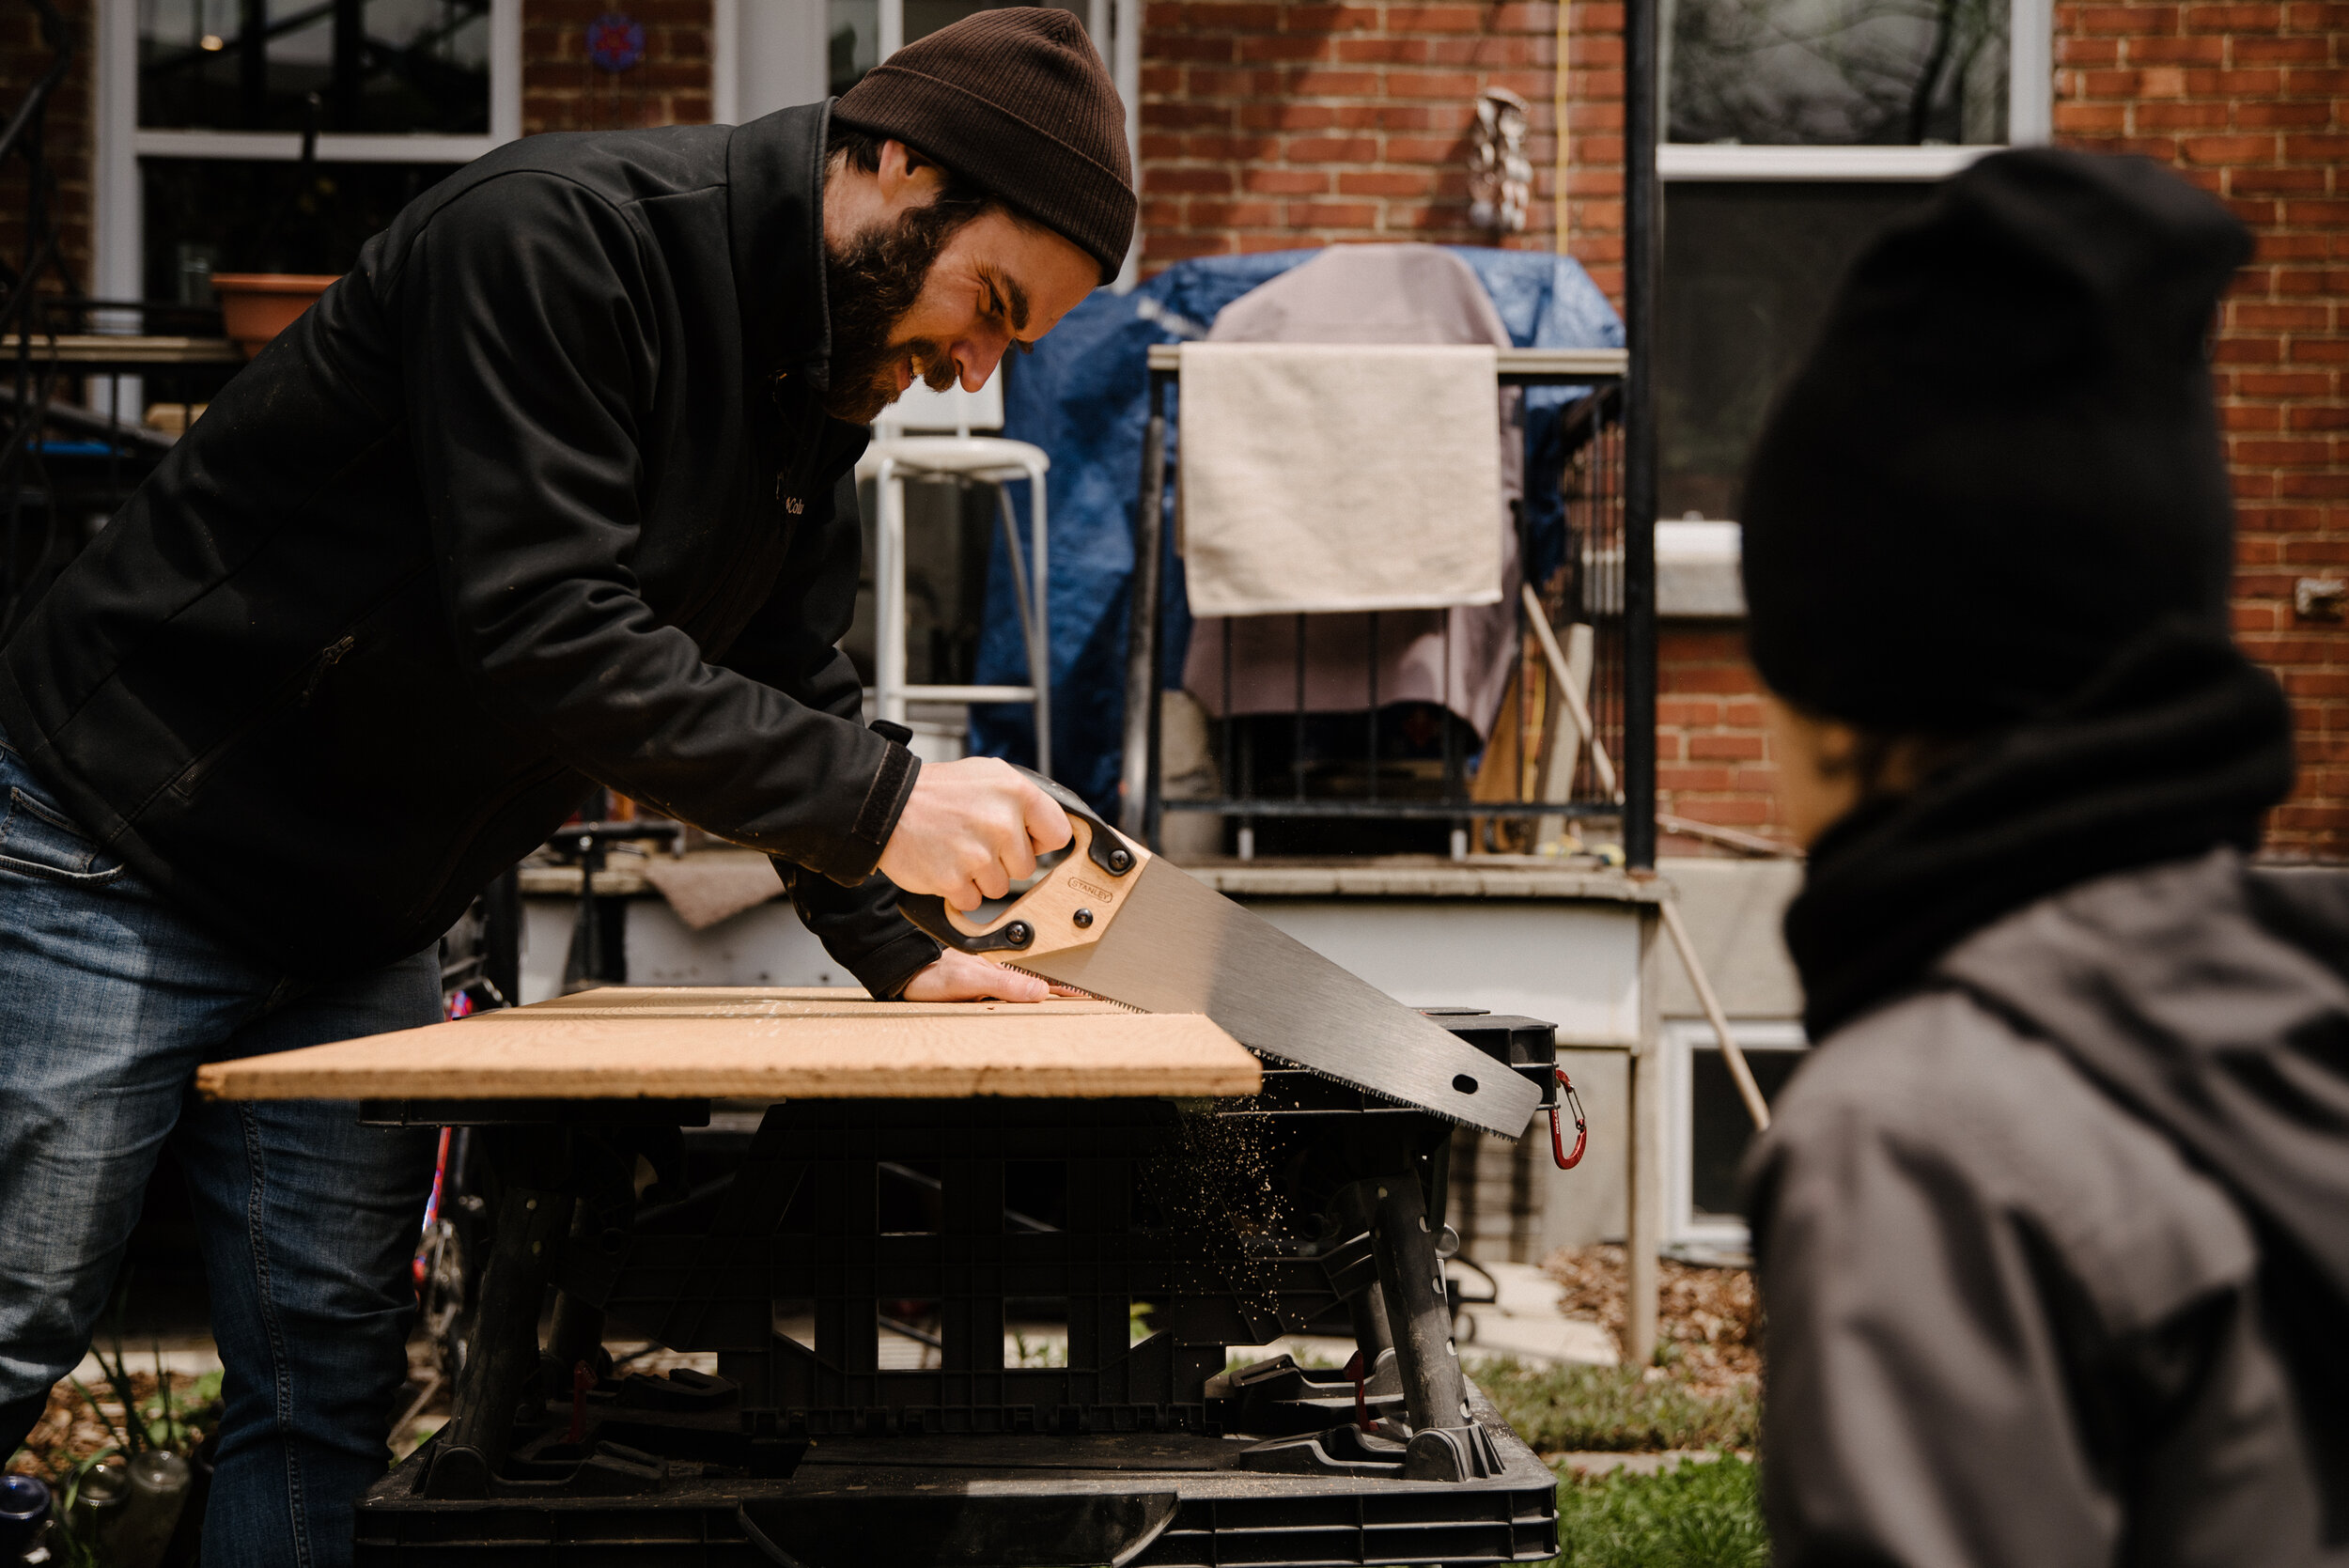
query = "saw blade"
{"x": 1175, "y": 945}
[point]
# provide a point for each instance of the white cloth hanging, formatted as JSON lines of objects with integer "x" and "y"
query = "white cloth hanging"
{"x": 1459, "y": 657}
{"x": 1320, "y": 477}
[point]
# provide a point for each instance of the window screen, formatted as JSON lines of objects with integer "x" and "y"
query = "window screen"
{"x": 207, "y": 215}
{"x": 1748, "y": 271}
{"x": 1836, "y": 72}
{"x": 1719, "y": 1128}
{"x": 392, "y": 67}
{"x": 854, "y": 30}
{"x": 854, "y": 27}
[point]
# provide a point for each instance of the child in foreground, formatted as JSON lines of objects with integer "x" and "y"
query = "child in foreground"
{"x": 2053, "y": 1226}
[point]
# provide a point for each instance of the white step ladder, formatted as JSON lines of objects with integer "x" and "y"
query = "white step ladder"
{"x": 898, "y": 454}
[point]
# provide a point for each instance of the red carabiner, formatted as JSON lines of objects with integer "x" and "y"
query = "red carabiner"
{"x": 582, "y": 1380}
{"x": 1582, "y": 1127}
{"x": 1361, "y": 1403}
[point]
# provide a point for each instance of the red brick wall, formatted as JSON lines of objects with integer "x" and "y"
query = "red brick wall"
{"x": 1712, "y": 761}
{"x": 2247, "y": 101}
{"x": 24, "y": 60}
{"x": 1270, "y": 124}
{"x": 563, "y": 91}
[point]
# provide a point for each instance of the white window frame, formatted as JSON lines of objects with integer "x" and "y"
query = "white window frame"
{"x": 119, "y": 220}
{"x": 2031, "y": 119}
{"x": 1679, "y": 1040}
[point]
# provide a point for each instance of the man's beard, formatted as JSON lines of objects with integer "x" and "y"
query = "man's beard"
{"x": 869, "y": 287}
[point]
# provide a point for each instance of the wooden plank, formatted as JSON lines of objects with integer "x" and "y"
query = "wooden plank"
{"x": 762, "y": 1043}
{"x": 774, "y": 1002}
{"x": 743, "y": 1001}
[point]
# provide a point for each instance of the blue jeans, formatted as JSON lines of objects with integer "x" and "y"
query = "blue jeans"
{"x": 110, "y": 997}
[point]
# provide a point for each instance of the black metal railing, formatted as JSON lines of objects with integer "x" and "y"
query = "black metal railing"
{"x": 1354, "y": 766}
{"x": 30, "y": 383}
{"x": 71, "y": 450}
{"x": 88, "y": 374}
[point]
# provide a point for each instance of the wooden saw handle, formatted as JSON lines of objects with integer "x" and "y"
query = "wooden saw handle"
{"x": 1072, "y": 904}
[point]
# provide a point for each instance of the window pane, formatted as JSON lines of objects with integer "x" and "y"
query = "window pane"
{"x": 1719, "y": 1127}
{"x": 1747, "y": 272}
{"x": 205, "y": 215}
{"x": 924, "y": 17}
{"x": 377, "y": 66}
{"x": 854, "y": 28}
{"x": 1837, "y": 72}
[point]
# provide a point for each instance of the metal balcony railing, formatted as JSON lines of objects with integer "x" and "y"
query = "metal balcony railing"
{"x": 1323, "y": 777}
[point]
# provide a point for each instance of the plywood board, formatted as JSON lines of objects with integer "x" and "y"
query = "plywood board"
{"x": 771, "y": 1043}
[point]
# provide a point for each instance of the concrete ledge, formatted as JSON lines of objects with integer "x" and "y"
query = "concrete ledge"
{"x": 1485, "y": 876}
{"x": 623, "y": 877}
{"x": 1697, "y": 571}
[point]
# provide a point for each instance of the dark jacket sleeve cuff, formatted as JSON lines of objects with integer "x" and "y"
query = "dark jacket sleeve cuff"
{"x": 858, "y": 854}
{"x": 861, "y": 928}
{"x": 885, "y": 971}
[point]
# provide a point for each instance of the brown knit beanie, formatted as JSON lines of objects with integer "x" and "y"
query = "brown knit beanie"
{"x": 1018, "y": 100}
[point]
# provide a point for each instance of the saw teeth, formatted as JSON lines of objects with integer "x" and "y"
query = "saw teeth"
{"x": 1090, "y": 995}
{"x": 1301, "y": 1067}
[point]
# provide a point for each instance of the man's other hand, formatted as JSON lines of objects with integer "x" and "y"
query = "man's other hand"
{"x": 970, "y": 830}
{"x": 959, "y": 977}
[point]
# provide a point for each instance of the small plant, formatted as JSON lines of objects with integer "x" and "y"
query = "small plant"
{"x": 1698, "y": 1514}
{"x": 155, "y": 1420}
{"x": 1562, "y": 1409}
{"x": 1038, "y": 1352}
{"x": 1306, "y": 1356}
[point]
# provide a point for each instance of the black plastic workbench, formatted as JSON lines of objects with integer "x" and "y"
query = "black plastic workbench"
{"x": 1155, "y": 1235}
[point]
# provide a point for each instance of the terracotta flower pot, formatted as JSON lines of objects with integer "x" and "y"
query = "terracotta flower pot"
{"x": 256, "y": 306}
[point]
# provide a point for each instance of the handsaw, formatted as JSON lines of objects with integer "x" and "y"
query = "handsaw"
{"x": 1127, "y": 926}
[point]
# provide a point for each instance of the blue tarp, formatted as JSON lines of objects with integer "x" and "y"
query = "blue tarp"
{"x": 1083, "y": 396}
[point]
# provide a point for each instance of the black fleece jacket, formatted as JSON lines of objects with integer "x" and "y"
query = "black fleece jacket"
{"x": 540, "y": 495}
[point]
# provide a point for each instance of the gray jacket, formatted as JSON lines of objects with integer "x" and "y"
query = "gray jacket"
{"x": 2010, "y": 1321}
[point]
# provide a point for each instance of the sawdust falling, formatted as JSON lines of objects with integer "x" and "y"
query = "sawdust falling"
{"x": 1213, "y": 1184}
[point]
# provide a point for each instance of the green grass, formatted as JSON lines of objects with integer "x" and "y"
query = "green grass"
{"x": 1697, "y": 1514}
{"x": 1614, "y": 1408}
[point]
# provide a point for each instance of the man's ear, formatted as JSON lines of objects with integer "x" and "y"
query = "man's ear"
{"x": 903, "y": 173}
{"x": 1836, "y": 746}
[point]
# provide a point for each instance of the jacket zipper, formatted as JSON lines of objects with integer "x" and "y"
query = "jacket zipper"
{"x": 328, "y": 658}
{"x": 295, "y": 692}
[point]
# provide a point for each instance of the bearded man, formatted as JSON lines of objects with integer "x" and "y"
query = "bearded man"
{"x": 552, "y": 491}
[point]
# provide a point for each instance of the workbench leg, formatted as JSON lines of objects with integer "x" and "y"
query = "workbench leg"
{"x": 1644, "y": 1184}
{"x": 576, "y": 1333}
{"x": 575, "y": 1336}
{"x": 1355, "y": 1212}
{"x": 1446, "y": 1442}
{"x": 532, "y": 1222}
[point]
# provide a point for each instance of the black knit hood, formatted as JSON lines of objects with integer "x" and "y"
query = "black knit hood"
{"x": 2000, "y": 463}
